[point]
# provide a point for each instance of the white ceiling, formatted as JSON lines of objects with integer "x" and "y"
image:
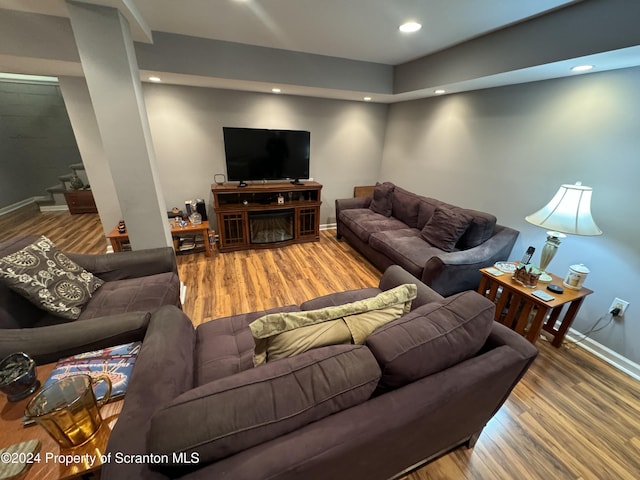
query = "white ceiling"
{"x": 355, "y": 29}
{"x": 365, "y": 30}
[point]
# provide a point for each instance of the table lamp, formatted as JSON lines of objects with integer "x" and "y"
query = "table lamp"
{"x": 569, "y": 211}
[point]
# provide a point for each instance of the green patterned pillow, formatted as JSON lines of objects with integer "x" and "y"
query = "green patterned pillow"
{"x": 49, "y": 279}
{"x": 285, "y": 334}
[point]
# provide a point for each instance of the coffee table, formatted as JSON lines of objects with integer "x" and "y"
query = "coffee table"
{"x": 49, "y": 466}
{"x": 515, "y": 303}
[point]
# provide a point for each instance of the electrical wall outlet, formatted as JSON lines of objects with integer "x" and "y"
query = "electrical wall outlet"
{"x": 618, "y": 303}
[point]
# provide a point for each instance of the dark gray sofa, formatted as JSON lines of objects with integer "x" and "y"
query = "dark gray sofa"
{"x": 139, "y": 281}
{"x": 395, "y": 237}
{"x": 420, "y": 386}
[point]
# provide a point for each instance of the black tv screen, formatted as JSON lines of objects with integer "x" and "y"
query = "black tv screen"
{"x": 263, "y": 154}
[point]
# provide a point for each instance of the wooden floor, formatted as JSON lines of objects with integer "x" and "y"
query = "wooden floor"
{"x": 571, "y": 417}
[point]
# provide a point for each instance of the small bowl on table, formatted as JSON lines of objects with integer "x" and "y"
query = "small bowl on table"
{"x": 18, "y": 377}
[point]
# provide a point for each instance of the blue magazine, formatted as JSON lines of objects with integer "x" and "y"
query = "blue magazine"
{"x": 115, "y": 362}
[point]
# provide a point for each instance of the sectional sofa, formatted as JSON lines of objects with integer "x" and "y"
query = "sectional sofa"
{"x": 440, "y": 244}
{"x": 423, "y": 384}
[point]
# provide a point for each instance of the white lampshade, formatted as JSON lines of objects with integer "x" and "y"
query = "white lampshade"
{"x": 569, "y": 211}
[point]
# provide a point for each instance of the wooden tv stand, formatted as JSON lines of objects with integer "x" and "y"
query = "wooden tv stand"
{"x": 251, "y": 217}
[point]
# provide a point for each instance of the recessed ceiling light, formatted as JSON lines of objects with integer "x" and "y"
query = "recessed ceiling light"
{"x": 439, "y": 91}
{"x": 276, "y": 90}
{"x": 367, "y": 99}
{"x": 581, "y": 68}
{"x": 154, "y": 79}
{"x": 410, "y": 27}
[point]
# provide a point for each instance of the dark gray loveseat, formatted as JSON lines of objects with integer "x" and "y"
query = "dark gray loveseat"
{"x": 139, "y": 281}
{"x": 390, "y": 229}
{"x": 196, "y": 408}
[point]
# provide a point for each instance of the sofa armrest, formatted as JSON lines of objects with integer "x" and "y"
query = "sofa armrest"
{"x": 453, "y": 272}
{"x": 502, "y": 335}
{"x": 346, "y": 204}
{"x": 164, "y": 370}
{"x": 122, "y": 265}
{"x": 49, "y": 344}
{"x": 355, "y": 202}
{"x": 396, "y": 275}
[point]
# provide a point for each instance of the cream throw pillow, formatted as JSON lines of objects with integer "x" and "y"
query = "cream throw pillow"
{"x": 280, "y": 335}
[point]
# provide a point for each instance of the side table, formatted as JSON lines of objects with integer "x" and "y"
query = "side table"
{"x": 515, "y": 304}
{"x": 80, "y": 201}
{"x": 117, "y": 239}
{"x": 49, "y": 466}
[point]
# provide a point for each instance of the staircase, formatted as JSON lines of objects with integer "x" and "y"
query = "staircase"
{"x": 54, "y": 199}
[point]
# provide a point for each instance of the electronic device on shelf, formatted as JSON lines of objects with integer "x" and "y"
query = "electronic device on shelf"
{"x": 261, "y": 154}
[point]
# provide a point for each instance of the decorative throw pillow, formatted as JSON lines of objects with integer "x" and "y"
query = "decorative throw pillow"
{"x": 284, "y": 334}
{"x": 49, "y": 279}
{"x": 445, "y": 228}
{"x": 381, "y": 201}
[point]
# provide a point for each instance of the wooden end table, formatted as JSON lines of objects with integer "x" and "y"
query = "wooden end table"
{"x": 119, "y": 239}
{"x": 49, "y": 466}
{"x": 515, "y": 304}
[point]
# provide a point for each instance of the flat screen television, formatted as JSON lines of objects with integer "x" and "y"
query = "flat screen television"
{"x": 263, "y": 154}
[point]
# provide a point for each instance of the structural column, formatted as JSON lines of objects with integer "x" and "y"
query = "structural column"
{"x": 109, "y": 63}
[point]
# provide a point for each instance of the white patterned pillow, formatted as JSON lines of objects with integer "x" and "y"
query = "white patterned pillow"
{"x": 49, "y": 279}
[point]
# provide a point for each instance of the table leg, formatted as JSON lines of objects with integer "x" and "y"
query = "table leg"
{"x": 523, "y": 317}
{"x": 207, "y": 246}
{"x": 566, "y": 322}
{"x": 512, "y": 311}
{"x": 482, "y": 288}
{"x": 536, "y": 325}
{"x": 116, "y": 245}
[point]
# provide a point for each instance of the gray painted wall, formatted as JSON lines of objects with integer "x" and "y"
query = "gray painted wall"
{"x": 36, "y": 140}
{"x": 507, "y": 150}
{"x": 186, "y": 127}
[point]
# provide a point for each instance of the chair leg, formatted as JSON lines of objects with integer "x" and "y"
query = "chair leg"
{"x": 473, "y": 439}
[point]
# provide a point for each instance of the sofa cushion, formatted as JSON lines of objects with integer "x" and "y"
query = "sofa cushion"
{"x": 445, "y": 227}
{"x": 431, "y": 338}
{"x": 405, "y": 206}
{"x": 18, "y": 312}
{"x": 144, "y": 293}
{"x": 426, "y": 208}
{"x": 363, "y": 222}
{"x": 480, "y": 229}
{"x": 382, "y": 197}
{"x": 237, "y": 412}
{"x": 281, "y": 335}
{"x": 48, "y": 278}
{"x": 405, "y": 248}
{"x": 225, "y": 346}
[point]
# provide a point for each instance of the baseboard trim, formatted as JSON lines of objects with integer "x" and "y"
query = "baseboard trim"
{"x": 17, "y": 206}
{"x": 53, "y": 208}
{"x": 328, "y": 226}
{"x": 606, "y": 354}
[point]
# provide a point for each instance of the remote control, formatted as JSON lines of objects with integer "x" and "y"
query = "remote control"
{"x": 542, "y": 295}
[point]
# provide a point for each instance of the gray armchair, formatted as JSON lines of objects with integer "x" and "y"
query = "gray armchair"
{"x": 136, "y": 283}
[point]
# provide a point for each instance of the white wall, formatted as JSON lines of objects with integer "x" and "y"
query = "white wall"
{"x": 186, "y": 127}
{"x": 507, "y": 150}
